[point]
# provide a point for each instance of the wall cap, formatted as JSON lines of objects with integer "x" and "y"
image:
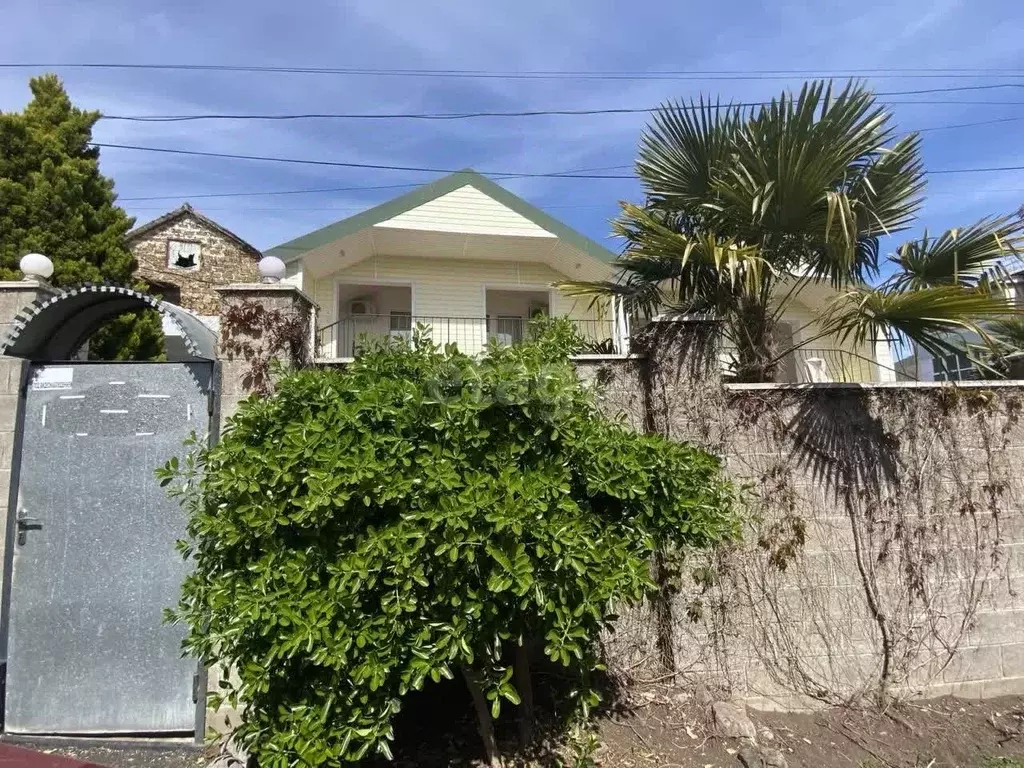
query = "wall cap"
{"x": 26, "y": 285}
{"x": 233, "y": 288}
{"x": 996, "y": 384}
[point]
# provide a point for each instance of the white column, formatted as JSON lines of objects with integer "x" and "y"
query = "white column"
{"x": 883, "y": 358}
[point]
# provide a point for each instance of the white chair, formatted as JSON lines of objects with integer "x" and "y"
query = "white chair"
{"x": 817, "y": 370}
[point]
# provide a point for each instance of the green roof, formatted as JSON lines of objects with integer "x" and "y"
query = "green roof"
{"x": 294, "y": 249}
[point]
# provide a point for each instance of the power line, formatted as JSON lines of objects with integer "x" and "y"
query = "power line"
{"x": 339, "y": 164}
{"x": 768, "y": 74}
{"x": 530, "y": 112}
{"x": 969, "y": 125}
{"x": 416, "y": 169}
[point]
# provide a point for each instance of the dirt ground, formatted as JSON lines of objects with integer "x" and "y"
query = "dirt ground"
{"x": 654, "y": 733}
{"x": 940, "y": 733}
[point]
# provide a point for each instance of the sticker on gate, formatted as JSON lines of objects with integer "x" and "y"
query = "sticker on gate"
{"x": 53, "y": 378}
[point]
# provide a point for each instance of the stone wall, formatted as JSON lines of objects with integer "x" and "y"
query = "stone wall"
{"x": 884, "y": 546}
{"x": 223, "y": 260}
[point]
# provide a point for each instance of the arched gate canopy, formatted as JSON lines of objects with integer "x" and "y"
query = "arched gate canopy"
{"x": 55, "y": 328}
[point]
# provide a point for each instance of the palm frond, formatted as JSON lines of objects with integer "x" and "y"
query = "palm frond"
{"x": 682, "y": 152}
{"x": 933, "y": 317}
{"x": 960, "y": 256}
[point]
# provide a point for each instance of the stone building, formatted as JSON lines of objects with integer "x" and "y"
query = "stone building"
{"x": 184, "y": 256}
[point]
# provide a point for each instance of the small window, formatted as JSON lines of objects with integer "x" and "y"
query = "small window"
{"x": 183, "y": 254}
{"x": 954, "y": 367}
{"x": 167, "y": 292}
{"x": 401, "y": 321}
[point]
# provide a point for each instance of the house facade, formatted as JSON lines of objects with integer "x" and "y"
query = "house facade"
{"x": 462, "y": 256}
{"x": 474, "y": 263}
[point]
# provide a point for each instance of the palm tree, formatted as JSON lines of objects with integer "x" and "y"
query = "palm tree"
{"x": 745, "y": 210}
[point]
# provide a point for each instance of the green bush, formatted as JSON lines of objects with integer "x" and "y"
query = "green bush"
{"x": 421, "y": 512}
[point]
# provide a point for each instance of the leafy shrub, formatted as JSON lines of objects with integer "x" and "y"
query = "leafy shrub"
{"x": 420, "y": 513}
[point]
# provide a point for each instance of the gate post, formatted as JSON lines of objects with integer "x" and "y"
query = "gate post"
{"x": 282, "y": 298}
{"x": 271, "y": 296}
{"x": 15, "y": 295}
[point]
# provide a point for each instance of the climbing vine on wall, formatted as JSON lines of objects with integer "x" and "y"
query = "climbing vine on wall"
{"x": 875, "y": 532}
{"x": 260, "y": 336}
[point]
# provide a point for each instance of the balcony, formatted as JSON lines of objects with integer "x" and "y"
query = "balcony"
{"x": 342, "y": 339}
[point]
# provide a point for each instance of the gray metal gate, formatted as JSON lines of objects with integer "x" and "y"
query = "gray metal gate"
{"x": 94, "y": 563}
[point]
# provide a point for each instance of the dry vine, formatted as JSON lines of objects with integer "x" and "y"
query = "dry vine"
{"x": 259, "y": 336}
{"x": 875, "y": 536}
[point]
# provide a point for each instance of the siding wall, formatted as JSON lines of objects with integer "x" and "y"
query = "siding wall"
{"x": 454, "y": 288}
{"x": 466, "y": 210}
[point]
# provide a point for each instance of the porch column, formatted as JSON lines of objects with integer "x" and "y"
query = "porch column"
{"x": 884, "y": 361}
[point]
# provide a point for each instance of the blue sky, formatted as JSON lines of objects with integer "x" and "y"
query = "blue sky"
{"x": 529, "y": 35}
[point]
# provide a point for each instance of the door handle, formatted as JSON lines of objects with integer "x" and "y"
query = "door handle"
{"x": 25, "y": 524}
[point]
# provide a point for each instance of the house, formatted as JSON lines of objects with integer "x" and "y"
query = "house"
{"x": 921, "y": 365}
{"x": 183, "y": 256}
{"x": 461, "y": 255}
{"x": 475, "y": 263}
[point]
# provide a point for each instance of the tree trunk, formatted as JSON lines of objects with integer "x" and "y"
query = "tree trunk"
{"x": 484, "y": 723}
{"x": 524, "y": 684}
{"x": 661, "y": 603}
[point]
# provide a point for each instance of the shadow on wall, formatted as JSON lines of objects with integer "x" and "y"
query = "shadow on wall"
{"x": 883, "y": 551}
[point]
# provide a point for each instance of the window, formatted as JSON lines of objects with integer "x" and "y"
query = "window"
{"x": 401, "y": 321}
{"x": 183, "y": 254}
{"x": 954, "y": 367}
{"x": 167, "y": 292}
{"x": 509, "y": 329}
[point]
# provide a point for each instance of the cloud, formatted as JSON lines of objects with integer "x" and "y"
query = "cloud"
{"x": 581, "y": 35}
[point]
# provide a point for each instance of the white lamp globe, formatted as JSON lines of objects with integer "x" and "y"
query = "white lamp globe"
{"x": 36, "y": 266}
{"x": 271, "y": 269}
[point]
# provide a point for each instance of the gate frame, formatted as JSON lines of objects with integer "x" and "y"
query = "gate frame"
{"x": 200, "y": 679}
{"x": 33, "y": 313}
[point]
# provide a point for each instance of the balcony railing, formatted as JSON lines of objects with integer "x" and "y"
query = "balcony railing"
{"x": 342, "y": 339}
{"x": 810, "y": 365}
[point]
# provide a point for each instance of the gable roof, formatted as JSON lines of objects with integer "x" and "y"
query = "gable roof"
{"x": 187, "y": 210}
{"x": 294, "y": 249}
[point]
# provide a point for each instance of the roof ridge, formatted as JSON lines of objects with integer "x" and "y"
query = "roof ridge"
{"x": 186, "y": 209}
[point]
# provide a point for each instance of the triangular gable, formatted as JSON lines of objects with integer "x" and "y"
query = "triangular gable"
{"x": 466, "y": 210}
{"x": 187, "y": 211}
{"x": 426, "y": 202}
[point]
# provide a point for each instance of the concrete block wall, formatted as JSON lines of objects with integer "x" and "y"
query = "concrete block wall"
{"x": 908, "y": 498}
{"x": 14, "y": 297}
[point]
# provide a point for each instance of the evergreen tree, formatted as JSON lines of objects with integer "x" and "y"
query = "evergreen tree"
{"x": 54, "y": 200}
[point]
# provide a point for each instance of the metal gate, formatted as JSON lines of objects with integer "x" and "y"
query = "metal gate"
{"x": 94, "y": 563}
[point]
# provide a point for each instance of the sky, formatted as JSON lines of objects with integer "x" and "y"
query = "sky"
{"x": 485, "y": 35}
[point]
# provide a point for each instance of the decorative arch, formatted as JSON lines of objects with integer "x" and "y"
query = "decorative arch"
{"x": 54, "y": 328}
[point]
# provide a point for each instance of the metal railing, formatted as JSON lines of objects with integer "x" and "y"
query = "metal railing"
{"x": 471, "y": 335}
{"x": 813, "y": 364}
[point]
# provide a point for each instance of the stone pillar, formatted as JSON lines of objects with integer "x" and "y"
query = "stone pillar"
{"x": 14, "y": 297}
{"x": 282, "y": 298}
{"x": 289, "y": 301}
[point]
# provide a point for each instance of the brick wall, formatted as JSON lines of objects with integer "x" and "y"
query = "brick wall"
{"x": 222, "y": 261}
{"x": 904, "y": 502}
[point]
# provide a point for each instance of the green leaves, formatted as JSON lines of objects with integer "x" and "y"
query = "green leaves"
{"x": 365, "y": 531}
{"x": 748, "y": 213}
{"x": 54, "y": 200}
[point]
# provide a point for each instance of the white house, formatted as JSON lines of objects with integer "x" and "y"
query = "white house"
{"x": 474, "y": 262}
